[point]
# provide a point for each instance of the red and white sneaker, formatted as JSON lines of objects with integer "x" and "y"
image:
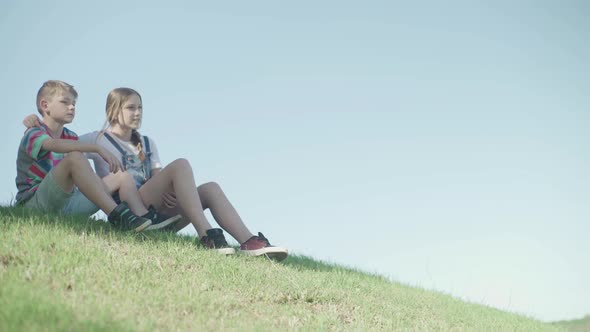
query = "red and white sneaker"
{"x": 259, "y": 245}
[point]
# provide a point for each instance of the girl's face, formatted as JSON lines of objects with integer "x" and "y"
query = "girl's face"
{"x": 130, "y": 116}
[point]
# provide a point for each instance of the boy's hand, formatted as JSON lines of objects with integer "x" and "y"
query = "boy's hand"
{"x": 32, "y": 121}
{"x": 111, "y": 159}
{"x": 169, "y": 200}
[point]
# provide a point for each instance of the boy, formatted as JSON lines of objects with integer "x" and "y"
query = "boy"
{"x": 54, "y": 175}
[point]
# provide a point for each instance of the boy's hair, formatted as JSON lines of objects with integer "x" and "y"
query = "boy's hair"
{"x": 115, "y": 101}
{"x": 50, "y": 88}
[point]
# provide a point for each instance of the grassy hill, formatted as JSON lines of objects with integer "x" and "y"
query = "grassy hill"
{"x": 576, "y": 325}
{"x": 63, "y": 273}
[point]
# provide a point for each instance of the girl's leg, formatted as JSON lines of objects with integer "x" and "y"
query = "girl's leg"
{"x": 124, "y": 183}
{"x": 182, "y": 223}
{"x": 213, "y": 198}
{"x": 177, "y": 177}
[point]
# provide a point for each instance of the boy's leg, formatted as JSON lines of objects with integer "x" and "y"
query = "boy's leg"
{"x": 80, "y": 205}
{"x": 56, "y": 191}
{"x": 49, "y": 196}
{"x": 75, "y": 170}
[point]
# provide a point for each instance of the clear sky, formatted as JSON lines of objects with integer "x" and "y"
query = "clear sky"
{"x": 443, "y": 144}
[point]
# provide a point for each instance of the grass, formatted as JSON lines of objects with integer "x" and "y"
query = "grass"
{"x": 576, "y": 325}
{"x": 70, "y": 274}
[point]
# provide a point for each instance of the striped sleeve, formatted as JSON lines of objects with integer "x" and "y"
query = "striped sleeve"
{"x": 33, "y": 142}
{"x": 68, "y": 134}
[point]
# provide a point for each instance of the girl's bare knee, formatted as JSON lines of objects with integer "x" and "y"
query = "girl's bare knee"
{"x": 124, "y": 177}
{"x": 181, "y": 163}
{"x": 211, "y": 187}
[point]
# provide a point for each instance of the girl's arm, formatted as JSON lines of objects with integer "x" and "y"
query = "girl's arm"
{"x": 32, "y": 121}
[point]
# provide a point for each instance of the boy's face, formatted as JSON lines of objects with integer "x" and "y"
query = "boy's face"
{"x": 61, "y": 108}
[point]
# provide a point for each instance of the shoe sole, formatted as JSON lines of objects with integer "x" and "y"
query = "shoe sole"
{"x": 225, "y": 251}
{"x": 164, "y": 223}
{"x": 275, "y": 253}
{"x": 143, "y": 226}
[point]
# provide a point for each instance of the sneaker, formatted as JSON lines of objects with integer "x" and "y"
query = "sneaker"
{"x": 122, "y": 217}
{"x": 216, "y": 241}
{"x": 259, "y": 245}
{"x": 159, "y": 221}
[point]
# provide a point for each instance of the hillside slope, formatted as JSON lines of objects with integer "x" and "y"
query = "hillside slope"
{"x": 576, "y": 325}
{"x": 62, "y": 273}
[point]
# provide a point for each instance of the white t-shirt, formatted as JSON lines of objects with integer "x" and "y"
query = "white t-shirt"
{"x": 101, "y": 166}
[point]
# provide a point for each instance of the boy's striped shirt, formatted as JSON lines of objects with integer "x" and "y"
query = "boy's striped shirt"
{"x": 33, "y": 162}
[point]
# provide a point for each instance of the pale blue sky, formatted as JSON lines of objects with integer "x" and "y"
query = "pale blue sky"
{"x": 442, "y": 144}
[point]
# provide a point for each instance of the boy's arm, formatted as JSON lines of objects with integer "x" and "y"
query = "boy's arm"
{"x": 68, "y": 145}
{"x": 59, "y": 145}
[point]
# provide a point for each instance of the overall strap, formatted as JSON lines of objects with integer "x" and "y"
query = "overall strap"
{"x": 146, "y": 140}
{"x": 115, "y": 144}
{"x": 148, "y": 158}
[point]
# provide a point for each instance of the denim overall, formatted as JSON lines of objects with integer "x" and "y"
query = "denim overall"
{"x": 141, "y": 170}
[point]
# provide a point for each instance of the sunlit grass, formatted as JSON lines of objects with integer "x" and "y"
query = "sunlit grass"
{"x": 576, "y": 325}
{"x": 63, "y": 273}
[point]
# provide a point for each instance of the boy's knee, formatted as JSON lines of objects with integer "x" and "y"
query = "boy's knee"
{"x": 75, "y": 157}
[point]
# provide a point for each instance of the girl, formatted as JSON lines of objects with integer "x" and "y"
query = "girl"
{"x": 171, "y": 189}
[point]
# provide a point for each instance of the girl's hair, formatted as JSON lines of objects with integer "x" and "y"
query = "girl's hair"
{"x": 115, "y": 101}
{"x": 50, "y": 88}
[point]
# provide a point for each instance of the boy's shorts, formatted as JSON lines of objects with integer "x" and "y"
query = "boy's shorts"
{"x": 51, "y": 197}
